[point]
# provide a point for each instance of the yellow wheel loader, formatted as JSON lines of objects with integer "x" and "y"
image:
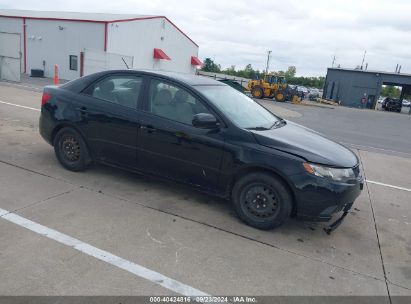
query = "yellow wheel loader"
{"x": 270, "y": 86}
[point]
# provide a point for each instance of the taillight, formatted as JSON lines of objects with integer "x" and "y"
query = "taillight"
{"x": 45, "y": 98}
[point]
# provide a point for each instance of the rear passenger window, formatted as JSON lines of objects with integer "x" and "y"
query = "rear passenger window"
{"x": 122, "y": 90}
{"x": 174, "y": 103}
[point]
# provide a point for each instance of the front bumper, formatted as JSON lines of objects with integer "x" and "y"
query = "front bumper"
{"x": 318, "y": 199}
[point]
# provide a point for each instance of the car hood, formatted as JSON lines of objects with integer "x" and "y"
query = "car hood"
{"x": 308, "y": 144}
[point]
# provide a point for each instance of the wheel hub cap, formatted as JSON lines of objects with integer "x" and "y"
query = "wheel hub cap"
{"x": 70, "y": 148}
{"x": 261, "y": 201}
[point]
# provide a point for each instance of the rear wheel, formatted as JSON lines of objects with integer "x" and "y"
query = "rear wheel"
{"x": 262, "y": 200}
{"x": 257, "y": 92}
{"x": 71, "y": 150}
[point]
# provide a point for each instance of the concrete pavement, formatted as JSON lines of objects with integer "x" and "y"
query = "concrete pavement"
{"x": 377, "y": 131}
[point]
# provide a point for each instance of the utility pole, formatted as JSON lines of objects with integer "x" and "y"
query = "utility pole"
{"x": 363, "y": 58}
{"x": 268, "y": 61}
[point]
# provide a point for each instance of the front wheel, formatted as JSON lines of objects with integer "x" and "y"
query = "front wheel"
{"x": 280, "y": 96}
{"x": 262, "y": 200}
{"x": 71, "y": 150}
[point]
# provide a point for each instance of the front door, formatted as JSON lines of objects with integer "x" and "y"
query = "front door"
{"x": 170, "y": 146}
{"x": 110, "y": 118}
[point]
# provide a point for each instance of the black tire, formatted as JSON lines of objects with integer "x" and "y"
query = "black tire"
{"x": 257, "y": 92}
{"x": 71, "y": 150}
{"x": 266, "y": 191}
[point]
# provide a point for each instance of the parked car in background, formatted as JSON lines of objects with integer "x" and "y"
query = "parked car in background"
{"x": 406, "y": 103}
{"x": 203, "y": 133}
{"x": 303, "y": 91}
{"x": 392, "y": 104}
{"x": 380, "y": 100}
{"x": 234, "y": 84}
{"x": 314, "y": 94}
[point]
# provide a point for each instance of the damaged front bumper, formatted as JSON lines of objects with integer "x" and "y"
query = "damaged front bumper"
{"x": 321, "y": 202}
{"x": 338, "y": 222}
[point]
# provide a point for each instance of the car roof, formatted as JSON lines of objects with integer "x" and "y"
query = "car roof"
{"x": 189, "y": 79}
{"x": 79, "y": 84}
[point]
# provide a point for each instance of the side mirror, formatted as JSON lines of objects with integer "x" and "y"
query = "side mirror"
{"x": 205, "y": 121}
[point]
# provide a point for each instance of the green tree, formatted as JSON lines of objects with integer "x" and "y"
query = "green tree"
{"x": 291, "y": 71}
{"x": 210, "y": 66}
{"x": 249, "y": 72}
{"x": 390, "y": 91}
{"x": 316, "y": 82}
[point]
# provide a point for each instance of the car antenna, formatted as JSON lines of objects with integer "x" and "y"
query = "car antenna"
{"x": 125, "y": 63}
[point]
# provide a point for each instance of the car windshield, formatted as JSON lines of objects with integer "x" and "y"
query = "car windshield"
{"x": 240, "y": 109}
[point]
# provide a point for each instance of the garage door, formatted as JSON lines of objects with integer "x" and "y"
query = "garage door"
{"x": 10, "y": 56}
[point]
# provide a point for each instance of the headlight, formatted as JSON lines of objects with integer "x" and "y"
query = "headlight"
{"x": 337, "y": 174}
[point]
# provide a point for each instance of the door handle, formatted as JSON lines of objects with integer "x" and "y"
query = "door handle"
{"x": 148, "y": 128}
{"x": 83, "y": 111}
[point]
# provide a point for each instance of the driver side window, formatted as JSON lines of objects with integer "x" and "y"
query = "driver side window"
{"x": 172, "y": 102}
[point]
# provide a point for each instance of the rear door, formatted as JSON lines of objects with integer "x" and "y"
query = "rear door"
{"x": 110, "y": 118}
{"x": 168, "y": 143}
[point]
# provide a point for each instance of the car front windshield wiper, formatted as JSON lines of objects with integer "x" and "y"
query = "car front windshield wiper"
{"x": 259, "y": 128}
{"x": 279, "y": 123}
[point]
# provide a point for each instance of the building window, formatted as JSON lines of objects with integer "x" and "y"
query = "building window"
{"x": 73, "y": 62}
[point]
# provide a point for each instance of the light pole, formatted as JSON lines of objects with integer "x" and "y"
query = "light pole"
{"x": 268, "y": 61}
{"x": 363, "y": 58}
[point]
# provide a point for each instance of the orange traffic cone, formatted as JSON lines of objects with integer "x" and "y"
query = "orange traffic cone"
{"x": 56, "y": 74}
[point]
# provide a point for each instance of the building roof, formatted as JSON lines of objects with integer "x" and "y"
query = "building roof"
{"x": 80, "y": 16}
{"x": 371, "y": 71}
{"x": 96, "y": 17}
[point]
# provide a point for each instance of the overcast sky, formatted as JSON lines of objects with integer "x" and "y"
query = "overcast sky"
{"x": 303, "y": 33}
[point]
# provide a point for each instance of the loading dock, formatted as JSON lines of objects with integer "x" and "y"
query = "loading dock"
{"x": 349, "y": 86}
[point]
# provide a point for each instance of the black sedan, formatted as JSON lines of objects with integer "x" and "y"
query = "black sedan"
{"x": 204, "y": 133}
{"x": 392, "y": 104}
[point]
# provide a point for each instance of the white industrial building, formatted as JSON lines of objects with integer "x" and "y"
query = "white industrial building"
{"x": 82, "y": 43}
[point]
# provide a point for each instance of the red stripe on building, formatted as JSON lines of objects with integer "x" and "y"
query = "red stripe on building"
{"x": 105, "y": 36}
{"x": 24, "y": 44}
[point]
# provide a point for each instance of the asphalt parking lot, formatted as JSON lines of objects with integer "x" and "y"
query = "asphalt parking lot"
{"x": 109, "y": 232}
